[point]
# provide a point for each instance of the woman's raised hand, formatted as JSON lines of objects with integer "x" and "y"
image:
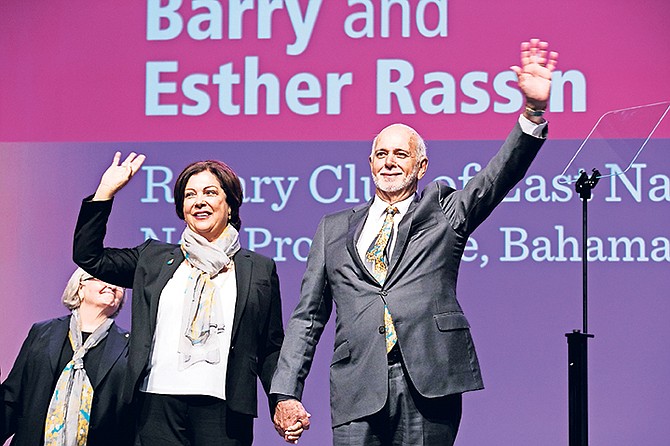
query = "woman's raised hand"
{"x": 117, "y": 175}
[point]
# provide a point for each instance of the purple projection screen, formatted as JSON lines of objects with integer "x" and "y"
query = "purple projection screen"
{"x": 290, "y": 96}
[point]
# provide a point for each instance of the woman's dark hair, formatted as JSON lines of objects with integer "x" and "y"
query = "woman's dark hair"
{"x": 228, "y": 181}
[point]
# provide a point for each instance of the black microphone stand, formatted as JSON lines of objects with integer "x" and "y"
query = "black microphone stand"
{"x": 577, "y": 347}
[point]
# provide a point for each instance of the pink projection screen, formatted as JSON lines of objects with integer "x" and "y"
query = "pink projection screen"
{"x": 290, "y": 94}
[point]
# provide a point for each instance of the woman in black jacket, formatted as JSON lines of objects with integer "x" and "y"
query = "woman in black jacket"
{"x": 206, "y": 313}
{"x": 66, "y": 385}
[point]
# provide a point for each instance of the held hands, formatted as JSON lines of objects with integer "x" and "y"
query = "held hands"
{"x": 535, "y": 72}
{"x": 117, "y": 175}
{"x": 291, "y": 420}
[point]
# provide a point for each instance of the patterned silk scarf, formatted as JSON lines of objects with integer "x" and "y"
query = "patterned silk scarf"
{"x": 70, "y": 407}
{"x": 203, "y": 318}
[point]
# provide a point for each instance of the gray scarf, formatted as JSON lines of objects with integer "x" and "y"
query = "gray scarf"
{"x": 70, "y": 407}
{"x": 203, "y": 317}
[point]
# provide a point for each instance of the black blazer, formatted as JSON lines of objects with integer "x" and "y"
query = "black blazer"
{"x": 28, "y": 388}
{"x": 257, "y": 332}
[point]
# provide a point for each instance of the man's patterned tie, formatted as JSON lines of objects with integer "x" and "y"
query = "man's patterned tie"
{"x": 377, "y": 256}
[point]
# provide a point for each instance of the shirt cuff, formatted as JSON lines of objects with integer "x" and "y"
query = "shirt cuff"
{"x": 279, "y": 397}
{"x": 530, "y": 128}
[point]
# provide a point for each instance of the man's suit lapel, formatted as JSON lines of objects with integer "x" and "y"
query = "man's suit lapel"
{"x": 356, "y": 221}
{"x": 114, "y": 346}
{"x": 401, "y": 239}
{"x": 243, "y": 266}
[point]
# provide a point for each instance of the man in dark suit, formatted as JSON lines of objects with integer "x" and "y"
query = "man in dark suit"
{"x": 403, "y": 349}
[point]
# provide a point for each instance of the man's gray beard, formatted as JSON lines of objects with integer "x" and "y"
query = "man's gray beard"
{"x": 410, "y": 179}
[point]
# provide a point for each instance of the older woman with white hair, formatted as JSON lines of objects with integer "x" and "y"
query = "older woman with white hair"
{"x": 66, "y": 384}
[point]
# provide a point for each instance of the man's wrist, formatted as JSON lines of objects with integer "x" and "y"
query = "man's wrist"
{"x": 535, "y": 129}
{"x": 534, "y": 113}
{"x": 279, "y": 397}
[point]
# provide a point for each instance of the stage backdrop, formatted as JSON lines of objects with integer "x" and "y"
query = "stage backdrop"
{"x": 290, "y": 93}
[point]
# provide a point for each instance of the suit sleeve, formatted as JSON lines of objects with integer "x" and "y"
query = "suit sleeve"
{"x": 271, "y": 338}
{"x": 12, "y": 389}
{"x": 113, "y": 265}
{"x": 306, "y": 325}
{"x": 468, "y": 208}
